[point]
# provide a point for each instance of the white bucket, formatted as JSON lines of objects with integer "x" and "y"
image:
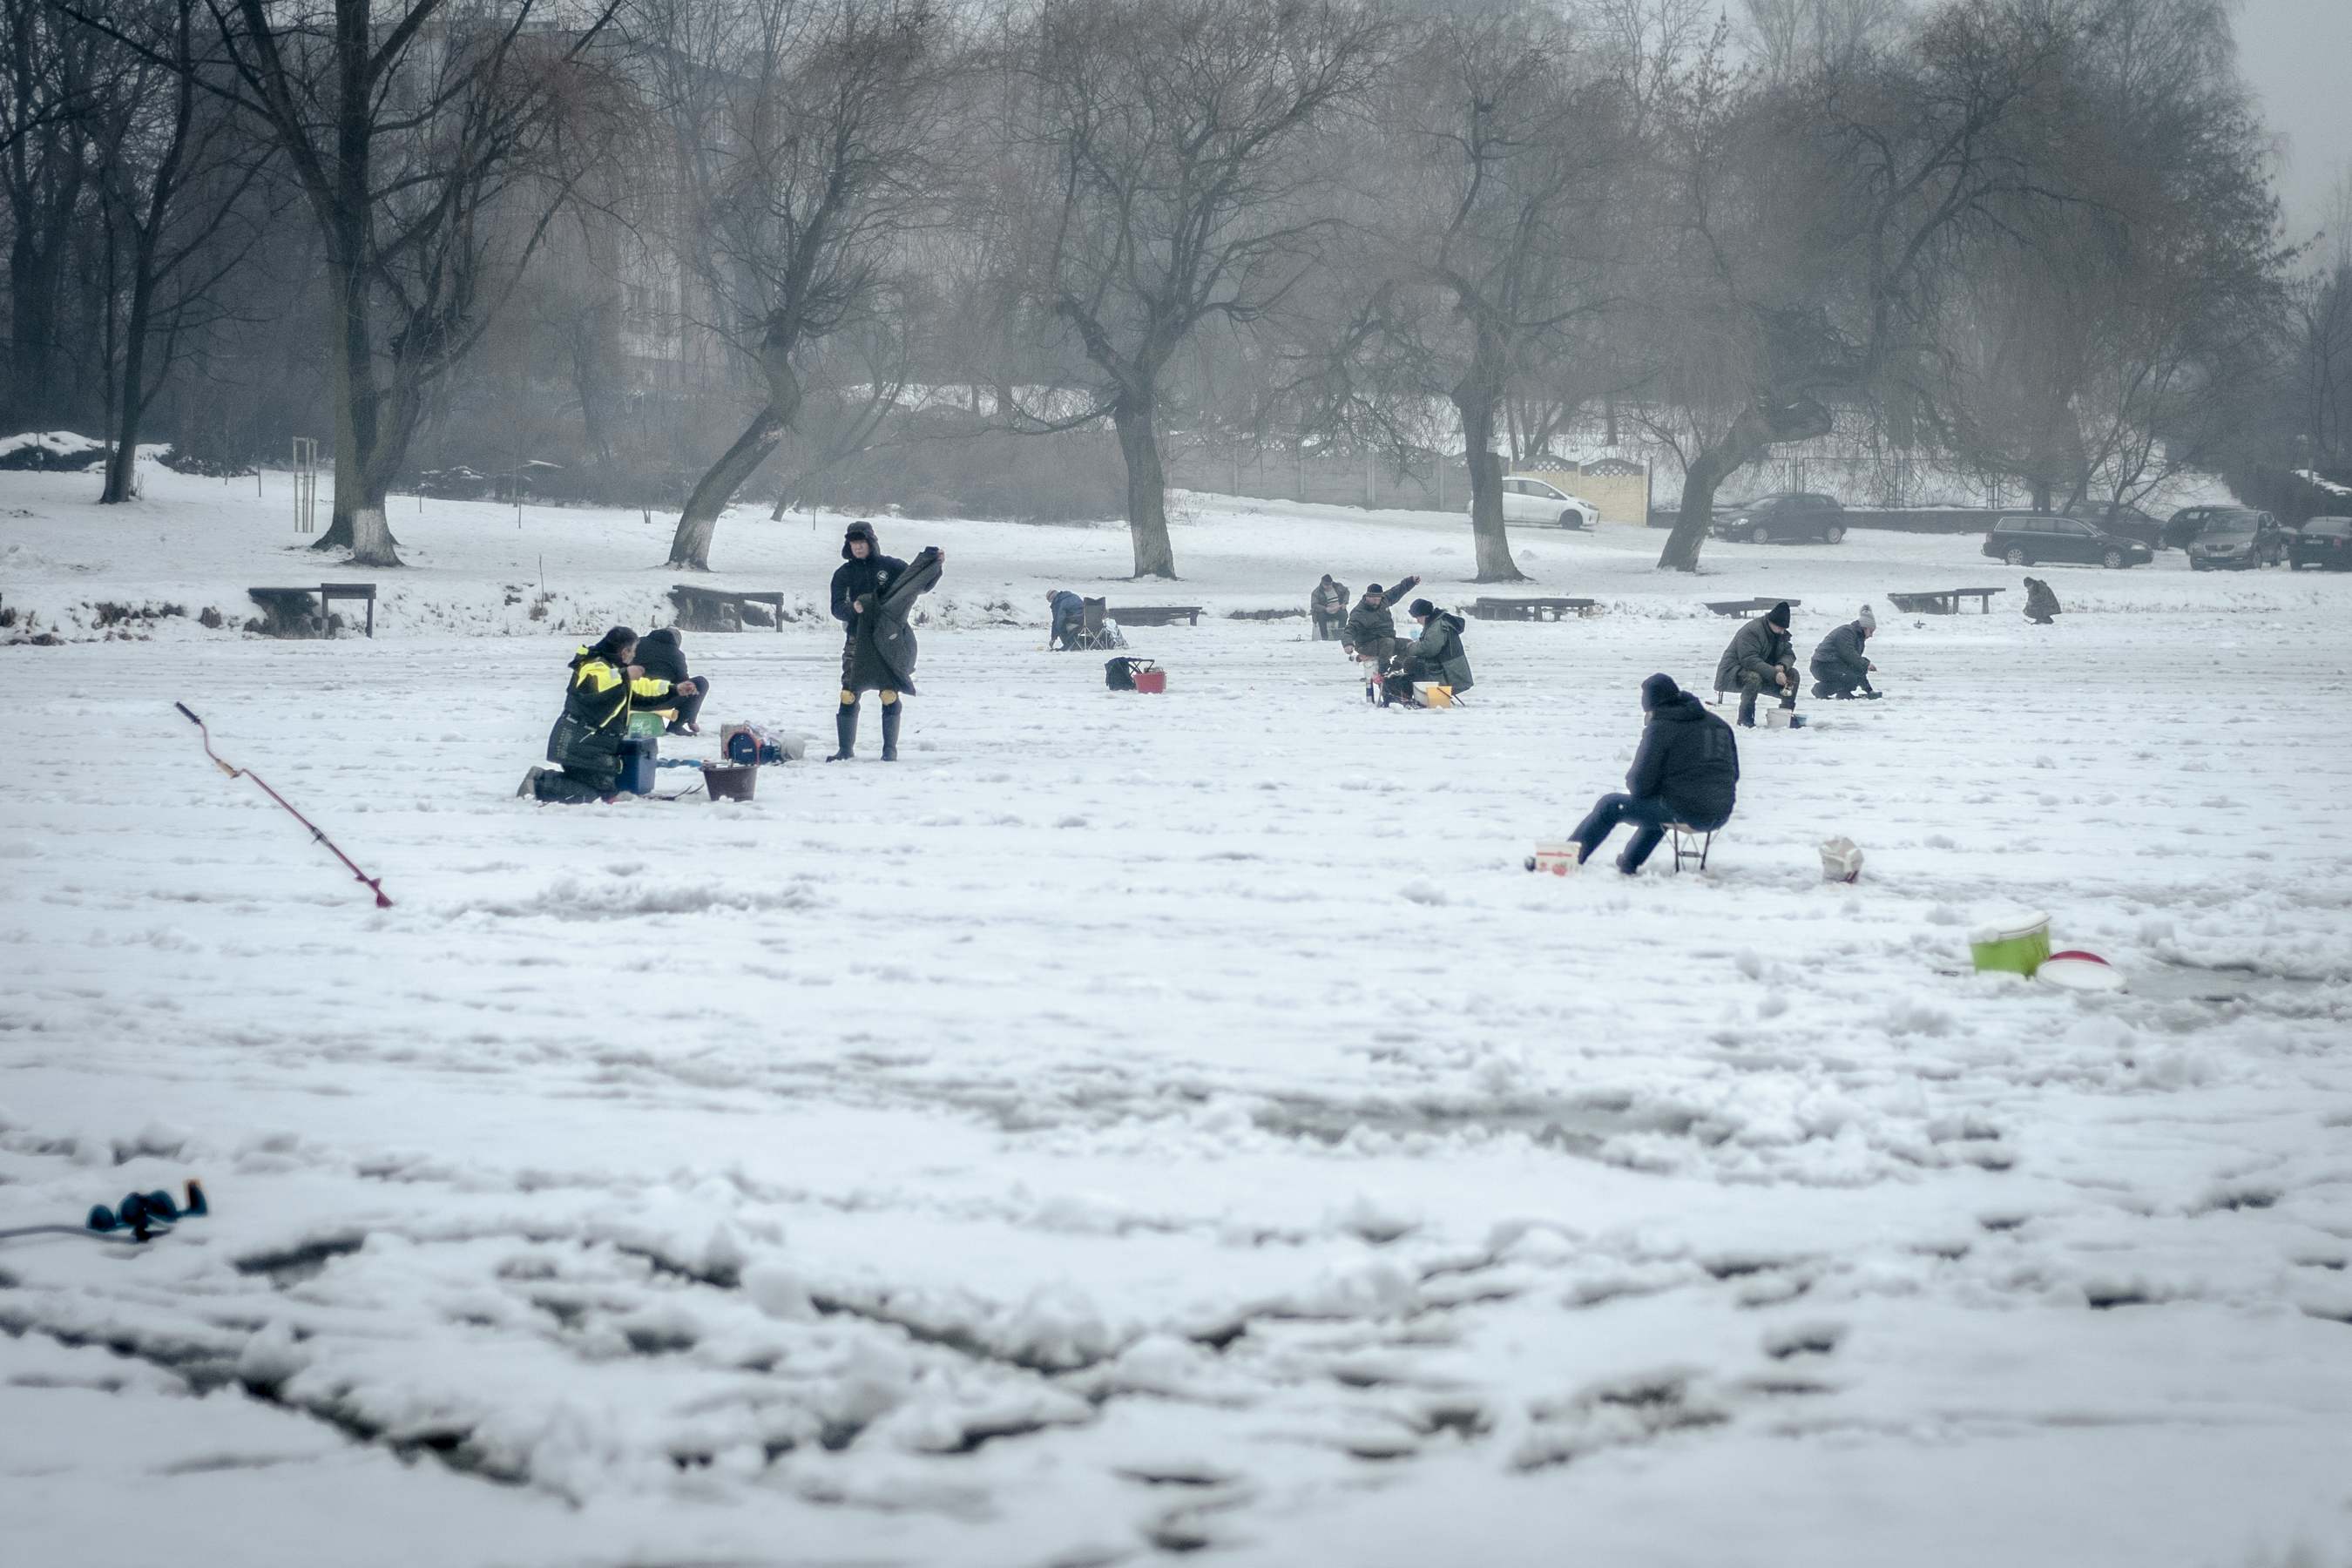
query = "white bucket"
{"x": 1559, "y": 859}
{"x": 1841, "y": 861}
{"x": 1783, "y": 719}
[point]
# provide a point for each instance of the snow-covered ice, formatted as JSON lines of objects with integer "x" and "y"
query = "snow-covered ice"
{"x": 1133, "y": 1124}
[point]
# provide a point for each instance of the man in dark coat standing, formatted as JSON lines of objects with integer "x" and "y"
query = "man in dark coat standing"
{"x": 1840, "y": 665}
{"x": 1686, "y": 770}
{"x": 663, "y": 658}
{"x": 873, "y": 594}
{"x": 1761, "y": 658}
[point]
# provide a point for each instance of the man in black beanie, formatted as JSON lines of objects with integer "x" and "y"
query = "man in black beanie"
{"x": 1686, "y": 770}
{"x": 1762, "y": 656}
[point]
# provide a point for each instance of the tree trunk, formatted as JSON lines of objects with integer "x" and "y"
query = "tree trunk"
{"x": 359, "y": 523}
{"x": 1475, "y": 401}
{"x": 1146, "y": 485}
{"x": 689, "y": 547}
{"x": 123, "y": 463}
{"x": 1714, "y": 464}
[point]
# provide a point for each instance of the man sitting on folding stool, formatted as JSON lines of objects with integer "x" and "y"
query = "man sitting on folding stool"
{"x": 1686, "y": 772}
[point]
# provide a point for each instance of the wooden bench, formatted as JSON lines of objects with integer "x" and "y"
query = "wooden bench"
{"x": 1155, "y": 614}
{"x": 701, "y": 609}
{"x": 1944, "y": 601}
{"x": 288, "y": 612}
{"x": 1265, "y": 615}
{"x": 1747, "y": 606}
{"x": 1531, "y": 609}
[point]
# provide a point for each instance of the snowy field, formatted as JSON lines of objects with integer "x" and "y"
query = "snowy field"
{"x": 1135, "y": 1124}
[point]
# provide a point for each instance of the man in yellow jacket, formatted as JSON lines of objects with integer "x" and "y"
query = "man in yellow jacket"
{"x": 586, "y": 740}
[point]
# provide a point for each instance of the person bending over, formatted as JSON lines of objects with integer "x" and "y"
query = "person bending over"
{"x": 1686, "y": 770}
{"x": 1760, "y": 659}
{"x": 1069, "y": 613}
{"x": 606, "y": 685}
{"x": 663, "y": 658}
{"x": 1437, "y": 658}
{"x": 1838, "y": 665}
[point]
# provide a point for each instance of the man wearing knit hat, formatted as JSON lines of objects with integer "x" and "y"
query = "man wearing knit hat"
{"x": 1685, "y": 770}
{"x": 1371, "y": 634}
{"x": 1839, "y": 665}
{"x": 1761, "y": 657}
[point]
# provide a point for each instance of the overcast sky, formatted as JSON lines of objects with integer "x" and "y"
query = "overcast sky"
{"x": 2298, "y": 56}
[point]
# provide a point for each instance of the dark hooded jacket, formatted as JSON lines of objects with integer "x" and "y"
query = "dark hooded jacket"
{"x": 1437, "y": 654}
{"x": 1839, "y": 660}
{"x": 864, "y": 583}
{"x": 1372, "y": 629}
{"x": 660, "y": 653}
{"x": 1688, "y": 756}
{"x": 2039, "y": 600}
{"x": 1757, "y": 648}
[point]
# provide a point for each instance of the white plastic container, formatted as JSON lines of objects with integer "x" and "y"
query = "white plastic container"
{"x": 1558, "y": 858}
{"x": 2016, "y": 941}
{"x": 1841, "y": 861}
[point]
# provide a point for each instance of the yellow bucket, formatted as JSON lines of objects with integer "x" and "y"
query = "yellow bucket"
{"x": 1437, "y": 696}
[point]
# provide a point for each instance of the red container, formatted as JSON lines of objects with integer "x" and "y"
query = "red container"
{"x": 1152, "y": 680}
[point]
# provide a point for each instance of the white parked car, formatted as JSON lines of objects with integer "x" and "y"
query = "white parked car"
{"x": 1526, "y": 500}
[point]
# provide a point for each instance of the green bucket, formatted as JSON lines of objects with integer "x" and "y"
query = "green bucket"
{"x": 646, "y": 725}
{"x": 2015, "y": 943}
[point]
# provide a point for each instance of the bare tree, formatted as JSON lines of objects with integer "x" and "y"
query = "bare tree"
{"x": 175, "y": 181}
{"x": 434, "y": 144}
{"x": 809, "y": 140}
{"x": 1794, "y": 39}
{"x": 55, "y": 80}
{"x": 1177, "y": 186}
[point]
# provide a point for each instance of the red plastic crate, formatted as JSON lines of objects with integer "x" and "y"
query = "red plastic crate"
{"x": 1152, "y": 680}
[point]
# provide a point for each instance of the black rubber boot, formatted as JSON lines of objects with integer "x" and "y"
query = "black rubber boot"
{"x": 844, "y": 726}
{"x": 1748, "y": 708}
{"x": 891, "y": 713}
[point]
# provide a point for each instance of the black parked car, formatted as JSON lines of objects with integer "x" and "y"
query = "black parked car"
{"x": 2325, "y": 543}
{"x": 2118, "y": 518}
{"x": 1781, "y": 519}
{"x": 2030, "y": 539}
{"x": 2238, "y": 540}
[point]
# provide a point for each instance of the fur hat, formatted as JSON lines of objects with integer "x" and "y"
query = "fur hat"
{"x": 1658, "y": 690}
{"x": 863, "y": 530}
{"x": 1371, "y": 588}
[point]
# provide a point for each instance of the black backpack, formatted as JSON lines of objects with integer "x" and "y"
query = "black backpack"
{"x": 1119, "y": 674}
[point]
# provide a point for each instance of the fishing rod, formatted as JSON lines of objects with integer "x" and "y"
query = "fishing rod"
{"x": 235, "y": 773}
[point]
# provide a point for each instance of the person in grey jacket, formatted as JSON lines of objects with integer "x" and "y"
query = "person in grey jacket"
{"x": 1686, "y": 770}
{"x": 1069, "y": 613}
{"x": 1437, "y": 656}
{"x": 1761, "y": 658}
{"x": 1328, "y": 604}
{"x": 1840, "y": 665}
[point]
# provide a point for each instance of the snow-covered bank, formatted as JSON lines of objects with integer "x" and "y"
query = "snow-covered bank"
{"x": 1131, "y": 1123}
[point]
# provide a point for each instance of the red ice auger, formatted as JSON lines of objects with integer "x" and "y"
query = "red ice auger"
{"x": 235, "y": 773}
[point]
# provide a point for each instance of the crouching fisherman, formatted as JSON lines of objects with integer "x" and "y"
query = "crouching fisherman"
{"x": 1840, "y": 665}
{"x": 606, "y": 686}
{"x": 663, "y": 658}
{"x": 873, "y": 596}
{"x": 1437, "y": 658}
{"x": 1686, "y": 770}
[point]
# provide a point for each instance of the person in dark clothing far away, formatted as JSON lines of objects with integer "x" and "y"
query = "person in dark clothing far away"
{"x": 606, "y": 685}
{"x": 1838, "y": 665}
{"x": 861, "y": 585}
{"x": 1371, "y": 634}
{"x": 1760, "y": 659}
{"x": 2040, "y": 603}
{"x": 1328, "y": 604}
{"x": 1069, "y": 613}
{"x": 1436, "y": 657}
{"x": 660, "y": 652}
{"x": 1686, "y": 770}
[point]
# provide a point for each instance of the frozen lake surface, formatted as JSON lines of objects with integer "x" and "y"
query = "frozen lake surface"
{"x": 1132, "y": 1124}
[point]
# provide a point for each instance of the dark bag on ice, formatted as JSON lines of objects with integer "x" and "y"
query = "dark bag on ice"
{"x": 1119, "y": 674}
{"x": 1396, "y": 688}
